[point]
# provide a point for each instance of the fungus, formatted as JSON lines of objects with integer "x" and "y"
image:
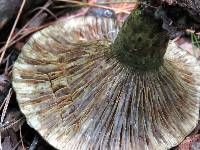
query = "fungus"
{"x": 83, "y": 85}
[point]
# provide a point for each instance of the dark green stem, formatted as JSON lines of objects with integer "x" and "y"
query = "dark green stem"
{"x": 141, "y": 42}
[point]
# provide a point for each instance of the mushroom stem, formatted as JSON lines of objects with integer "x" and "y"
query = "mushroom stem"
{"x": 141, "y": 42}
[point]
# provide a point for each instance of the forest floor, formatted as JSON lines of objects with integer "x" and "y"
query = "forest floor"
{"x": 15, "y": 134}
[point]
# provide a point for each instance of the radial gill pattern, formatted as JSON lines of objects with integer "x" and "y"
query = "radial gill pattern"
{"x": 78, "y": 98}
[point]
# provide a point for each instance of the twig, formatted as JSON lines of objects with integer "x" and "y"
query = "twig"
{"x": 13, "y": 29}
{"x": 7, "y": 65}
{"x": 96, "y": 5}
{"x": 2, "y": 104}
{"x": 7, "y": 100}
{"x": 21, "y": 138}
{"x": 9, "y": 125}
{"x": 34, "y": 143}
{"x": 47, "y": 10}
{"x": 16, "y": 146}
{"x": 14, "y": 40}
{"x": 27, "y": 33}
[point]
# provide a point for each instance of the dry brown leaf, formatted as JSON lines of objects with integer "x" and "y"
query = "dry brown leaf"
{"x": 190, "y": 143}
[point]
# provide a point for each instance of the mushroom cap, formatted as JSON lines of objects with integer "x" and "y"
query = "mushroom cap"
{"x": 77, "y": 97}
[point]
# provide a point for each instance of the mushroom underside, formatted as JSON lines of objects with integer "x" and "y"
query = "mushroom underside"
{"x": 77, "y": 97}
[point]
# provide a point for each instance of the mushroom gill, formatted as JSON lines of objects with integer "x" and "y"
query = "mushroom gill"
{"x": 82, "y": 85}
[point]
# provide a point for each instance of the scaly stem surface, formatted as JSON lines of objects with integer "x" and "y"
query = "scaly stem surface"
{"x": 141, "y": 42}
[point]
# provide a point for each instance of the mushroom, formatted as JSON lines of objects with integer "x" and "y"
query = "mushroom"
{"x": 90, "y": 82}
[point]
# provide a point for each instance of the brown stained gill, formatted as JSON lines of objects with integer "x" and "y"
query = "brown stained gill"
{"x": 78, "y": 94}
